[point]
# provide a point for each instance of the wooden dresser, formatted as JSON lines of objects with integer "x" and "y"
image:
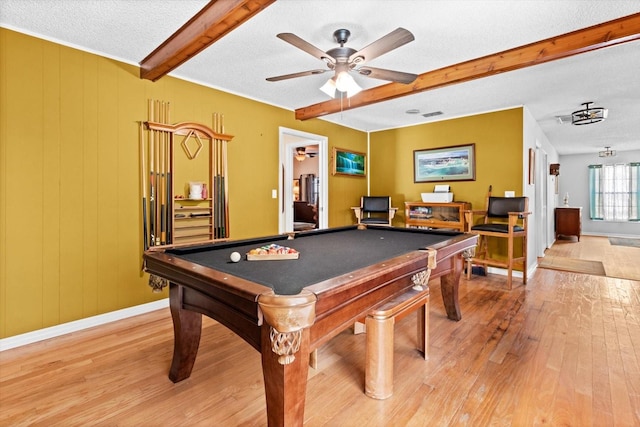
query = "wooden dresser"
{"x": 568, "y": 222}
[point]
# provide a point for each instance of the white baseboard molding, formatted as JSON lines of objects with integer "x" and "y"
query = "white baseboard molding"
{"x": 78, "y": 325}
{"x": 515, "y": 273}
{"x": 504, "y": 272}
{"x": 623, "y": 236}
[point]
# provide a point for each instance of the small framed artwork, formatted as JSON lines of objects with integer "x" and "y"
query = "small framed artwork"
{"x": 532, "y": 166}
{"x": 455, "y": 163}
{"x": 346, "y": 162}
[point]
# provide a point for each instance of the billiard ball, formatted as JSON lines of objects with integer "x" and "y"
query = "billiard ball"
{"x": 235, "y": 257}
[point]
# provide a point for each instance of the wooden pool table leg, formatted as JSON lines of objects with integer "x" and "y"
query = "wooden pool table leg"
{"x": 285, "y": 385}
{"x": 187, "y": 327}
{"x": 449, "y": 287}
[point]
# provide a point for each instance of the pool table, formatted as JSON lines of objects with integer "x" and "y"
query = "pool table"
{"x": 286, "y": 309}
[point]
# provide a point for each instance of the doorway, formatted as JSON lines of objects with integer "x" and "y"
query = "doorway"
{"x": 297, "y": 147}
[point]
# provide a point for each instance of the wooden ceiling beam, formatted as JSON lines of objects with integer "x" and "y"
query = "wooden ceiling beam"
{"x": 607, "y": 34}
{"x": 216, "y": 19}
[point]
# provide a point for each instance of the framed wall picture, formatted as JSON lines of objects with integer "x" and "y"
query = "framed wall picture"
{"x": 532, "y": 166}
{"x": 455, "y": 163}
{"x": 346, "y": 162}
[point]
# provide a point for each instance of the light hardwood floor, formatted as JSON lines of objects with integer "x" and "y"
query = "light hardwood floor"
{"x": 619, "y": 261}
{"x": 562, "y": 351}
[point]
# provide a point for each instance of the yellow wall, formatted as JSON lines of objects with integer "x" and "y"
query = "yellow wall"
{"x": 70, "y": 208}
{"x": 498, "y": 147}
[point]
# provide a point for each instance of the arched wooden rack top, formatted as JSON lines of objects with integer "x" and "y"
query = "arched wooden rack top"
{"x": 185, "y": 128}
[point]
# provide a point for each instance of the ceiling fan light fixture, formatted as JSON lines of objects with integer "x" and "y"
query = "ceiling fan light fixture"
{"x": 354, "y": 90}
{"x": 343, "y": 81}
{"x": 346, "y": 83}
{"x": 608, "y": 152}
{"x": 301, "y": 154}
{"x": 588, "y": 115}
{"x": 343, "y": 59}
{"x": 329, "y": 87}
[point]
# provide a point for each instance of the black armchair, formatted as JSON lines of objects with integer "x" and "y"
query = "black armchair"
{"x": 375, "y": 210}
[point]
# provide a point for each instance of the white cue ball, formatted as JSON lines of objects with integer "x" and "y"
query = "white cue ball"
{"x": 235, "y": 256}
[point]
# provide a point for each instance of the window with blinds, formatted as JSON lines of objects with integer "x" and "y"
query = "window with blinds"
{"x": 613, "y": 192}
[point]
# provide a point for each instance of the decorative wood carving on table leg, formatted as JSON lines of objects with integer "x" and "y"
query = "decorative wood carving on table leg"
{"x": 420, "y": 280}
{"x": 287, "y": 315}
{"x": 285, "y": 333}
{"x": 467, "y": 254}
{"x": 157, "y": 283}
{"x": 285, "y": 386}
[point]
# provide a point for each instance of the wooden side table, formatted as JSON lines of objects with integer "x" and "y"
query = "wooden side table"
{"x": 568, "y": 221}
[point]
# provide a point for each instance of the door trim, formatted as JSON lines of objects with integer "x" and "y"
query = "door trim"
{"x": 288, "y": 140}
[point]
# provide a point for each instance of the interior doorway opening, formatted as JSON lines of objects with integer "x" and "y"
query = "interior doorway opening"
{"x": 303, "y": 181}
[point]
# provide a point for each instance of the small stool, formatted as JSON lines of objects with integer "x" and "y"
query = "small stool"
{"x": 379, "y": 325}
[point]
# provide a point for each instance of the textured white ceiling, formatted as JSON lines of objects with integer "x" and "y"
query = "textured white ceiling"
{"x": 446, "y": 32}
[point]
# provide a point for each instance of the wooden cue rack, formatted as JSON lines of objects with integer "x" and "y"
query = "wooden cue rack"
{"x": 170, "y": 216}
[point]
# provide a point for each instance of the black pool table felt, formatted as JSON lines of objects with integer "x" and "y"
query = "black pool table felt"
{"x": 323, "y": 255}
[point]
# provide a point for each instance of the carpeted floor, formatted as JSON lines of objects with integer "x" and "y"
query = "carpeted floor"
{"x": 595, "y": 268}
{"x": 619, "y": 241}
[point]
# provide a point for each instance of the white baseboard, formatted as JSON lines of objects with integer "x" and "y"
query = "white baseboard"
{"x": 623, "y": 236}
{"x": 504, "y": 272}
{"x": 78, "y": 325}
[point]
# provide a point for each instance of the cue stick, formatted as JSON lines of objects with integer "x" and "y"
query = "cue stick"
{"x": 163, "y": 219}
{"x": 223, "y": 200}
{"x": 152, "y": 195}
{"x": 169, "y": 157}
{"x": 157, "y": 176}
{"x": 165, "y": 183}
{"x": 165, "y": 200}
{"x": 216, "y": 148}
{"x": 216, "y": 151}
{"x": 164, "y": 176}
{"x": 144, "y": 189}
{"x": 165, "y": 166}
{"x": 214, "y": 171}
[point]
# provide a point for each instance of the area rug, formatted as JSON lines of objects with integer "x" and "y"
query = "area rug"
{"x": 594, "y": 268}
{"x": 619, "y": 241}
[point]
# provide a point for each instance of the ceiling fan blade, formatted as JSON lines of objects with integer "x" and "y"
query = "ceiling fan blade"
{"x": 390, "y": 75}
{"x": 393, "y": 40}
{"x": 306, "y": 46}
{"x": 294, "y": 75}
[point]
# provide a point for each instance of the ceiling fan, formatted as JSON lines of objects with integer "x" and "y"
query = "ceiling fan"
{"x": 341, "y": 60}
{"x": 301, "y": 153}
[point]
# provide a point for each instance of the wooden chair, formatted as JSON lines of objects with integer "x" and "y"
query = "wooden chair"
{"x": 505, "y": 218}
{"x": 375, "y": 210}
